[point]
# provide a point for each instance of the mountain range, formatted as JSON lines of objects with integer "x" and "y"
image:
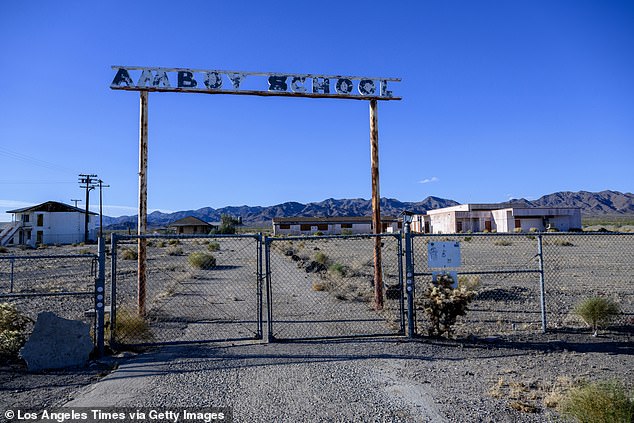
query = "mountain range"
{"x": 591, "y": 204}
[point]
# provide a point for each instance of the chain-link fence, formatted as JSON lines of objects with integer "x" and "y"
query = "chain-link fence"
{"x": 580, "y": 267}
{"x": 321, "y": 287}
{"x": 58, "y": 279}
{"x": 197, "y": 288}
{"x": 515, "y": 293}
{"x": 503, "y": 270}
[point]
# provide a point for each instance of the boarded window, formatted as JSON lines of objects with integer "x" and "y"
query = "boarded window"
{"x": 487, "y": 225}
{"x": 346, "y": 226}
{"x": 40, "y": 237}
{"x": 284, "y": 226}
{"x": 322, "y": 227}
{"x": 40, "y": 220}
{"x": 458, "y": 226}
{"x": 304, "y": 227}
{"x": 518, "y": 223}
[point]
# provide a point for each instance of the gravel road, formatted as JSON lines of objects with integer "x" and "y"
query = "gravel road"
{"x": 372, "y": 380}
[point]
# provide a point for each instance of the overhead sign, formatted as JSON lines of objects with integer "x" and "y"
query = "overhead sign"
{"x": 266, "y": 84}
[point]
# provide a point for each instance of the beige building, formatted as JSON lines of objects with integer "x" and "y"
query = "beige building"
{"x": 331, "y": 225}
{"x": 190, "y": 226}
{"x": 497, "y": 218}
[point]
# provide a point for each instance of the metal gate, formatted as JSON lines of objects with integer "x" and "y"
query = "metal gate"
{"x": 199, "y": 288}
{"x": 322, "y": 287}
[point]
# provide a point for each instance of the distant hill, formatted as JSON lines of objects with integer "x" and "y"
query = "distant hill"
{"x": 258, "y": 215}
{"x": 591, "y": 204}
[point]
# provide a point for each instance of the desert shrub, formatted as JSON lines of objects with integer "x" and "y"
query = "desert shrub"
{"x": 517, "y": 230}
{"x": 13, "y": 329}
{"x": 503, "y": 243}
{"x": 174, "y": 242}
{"x": 213, "y": 246}
{"x": 174, "y": 251}
{"x": 605, "y": 401}
{"x": 318, "y": 233}
{"x": 129, "y": 254}
{"x": 131, "y": 326}
{"x": 443, "y": 304}
{"x": 597, "y": 311}
{"x": 162, "y": 244}
{"x": 202, "y": 260}
{"x": 469, "y": 282}
{"x": 4, "y": 250}
{"x": 346, "y": 232}
{"x": 338, "y": 269}
{"x": 563, "y": 243}
{"x": 321, "y": 258}
{"x": 533, "y": 230}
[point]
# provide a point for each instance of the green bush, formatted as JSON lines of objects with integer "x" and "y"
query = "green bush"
{"x": 443, "y": 304}
{"x": 318, "y": 233}
{"x": 174, "y": 251}
{"x": 338, "y": 269}
{"x": 213, "y": 246}
{"x": 599, "y": 402}
{"x": 321, "y": 258}
{"x": 131, "y": 326}
{"x": 503, "y": 243}
{"x": 13, "y": 329}
{"x": 202, "y": 260}
{"x": 129, "y": 254}
{"x": 597, "y": 311}
{"x": 346, "y": 232}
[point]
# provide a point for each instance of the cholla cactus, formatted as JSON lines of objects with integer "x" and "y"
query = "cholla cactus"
{"x": 13, "y": 329}
{"x": 443, "y": 304}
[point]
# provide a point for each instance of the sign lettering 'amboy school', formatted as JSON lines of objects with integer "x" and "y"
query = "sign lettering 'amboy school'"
{"x": 231, "y": 82}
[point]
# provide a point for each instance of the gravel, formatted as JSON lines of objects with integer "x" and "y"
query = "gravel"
{"x": 370, "y": 380}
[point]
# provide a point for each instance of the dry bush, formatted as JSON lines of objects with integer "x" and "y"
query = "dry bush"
{"x": 13, "y": 329}
{"x": 605, "y": 401}
{"x": 202, "y": 260}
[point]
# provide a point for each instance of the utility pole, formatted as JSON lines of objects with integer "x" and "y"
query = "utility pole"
{"x": 101, "y": 186}
{"x": 75, "y": 201}
{"x": 89, "y": 184}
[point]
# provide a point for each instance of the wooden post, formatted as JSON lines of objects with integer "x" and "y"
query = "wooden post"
{"x": 376, "y": 204}
{"x": 142, "y": 217}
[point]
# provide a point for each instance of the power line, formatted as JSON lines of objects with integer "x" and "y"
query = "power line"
{"x": 89, "y": 183}
{"x": 33, "y": 160}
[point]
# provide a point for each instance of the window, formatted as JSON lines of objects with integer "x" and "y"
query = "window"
{"x": 25, "y": 218}
{"x": 518, "y": 223}
{"x": 40, "y": 220}
{"x": 322, "y": 227}
{"x": 458, "y": 226}
{"x": 285, "y": 226}
{"x": 346, "y": 226}
{"x": 40, "y": 237}
{"x": 304, "y": 228}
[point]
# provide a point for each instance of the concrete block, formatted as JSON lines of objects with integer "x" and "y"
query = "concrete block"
{"x": 57, "y": 343}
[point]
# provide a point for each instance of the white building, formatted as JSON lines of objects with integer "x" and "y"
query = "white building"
{"x": 48, "y": 223}
{"x": 497, "y": 218}
{"x": 331, "y": 225}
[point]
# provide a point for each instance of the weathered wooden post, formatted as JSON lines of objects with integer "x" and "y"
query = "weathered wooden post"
{"x": 376, "y": 204}
{"x": 142, "y": 218}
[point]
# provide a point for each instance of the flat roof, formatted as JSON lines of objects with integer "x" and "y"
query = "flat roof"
{"x": 331, "y": 219}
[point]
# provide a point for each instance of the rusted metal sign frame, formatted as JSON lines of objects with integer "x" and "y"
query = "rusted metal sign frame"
{"x": 159, "y": 76}
{"x": 156, "y": 79}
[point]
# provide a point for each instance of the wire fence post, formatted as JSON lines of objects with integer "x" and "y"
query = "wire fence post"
{"x": 409, "y": 277}
{"x": 113, "y": 287}
{"x": 259, "y": 288}
{"x": 11, "y": 278}
{"x": 269, "y": 300}
{"x": 100, "y": 296}
{"x": 542, "y": 291}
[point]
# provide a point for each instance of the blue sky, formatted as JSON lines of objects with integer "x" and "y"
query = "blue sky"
{"x": 500, "y": 99}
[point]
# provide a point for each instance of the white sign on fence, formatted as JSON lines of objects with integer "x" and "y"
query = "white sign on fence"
{"x": 443, "y": 254}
